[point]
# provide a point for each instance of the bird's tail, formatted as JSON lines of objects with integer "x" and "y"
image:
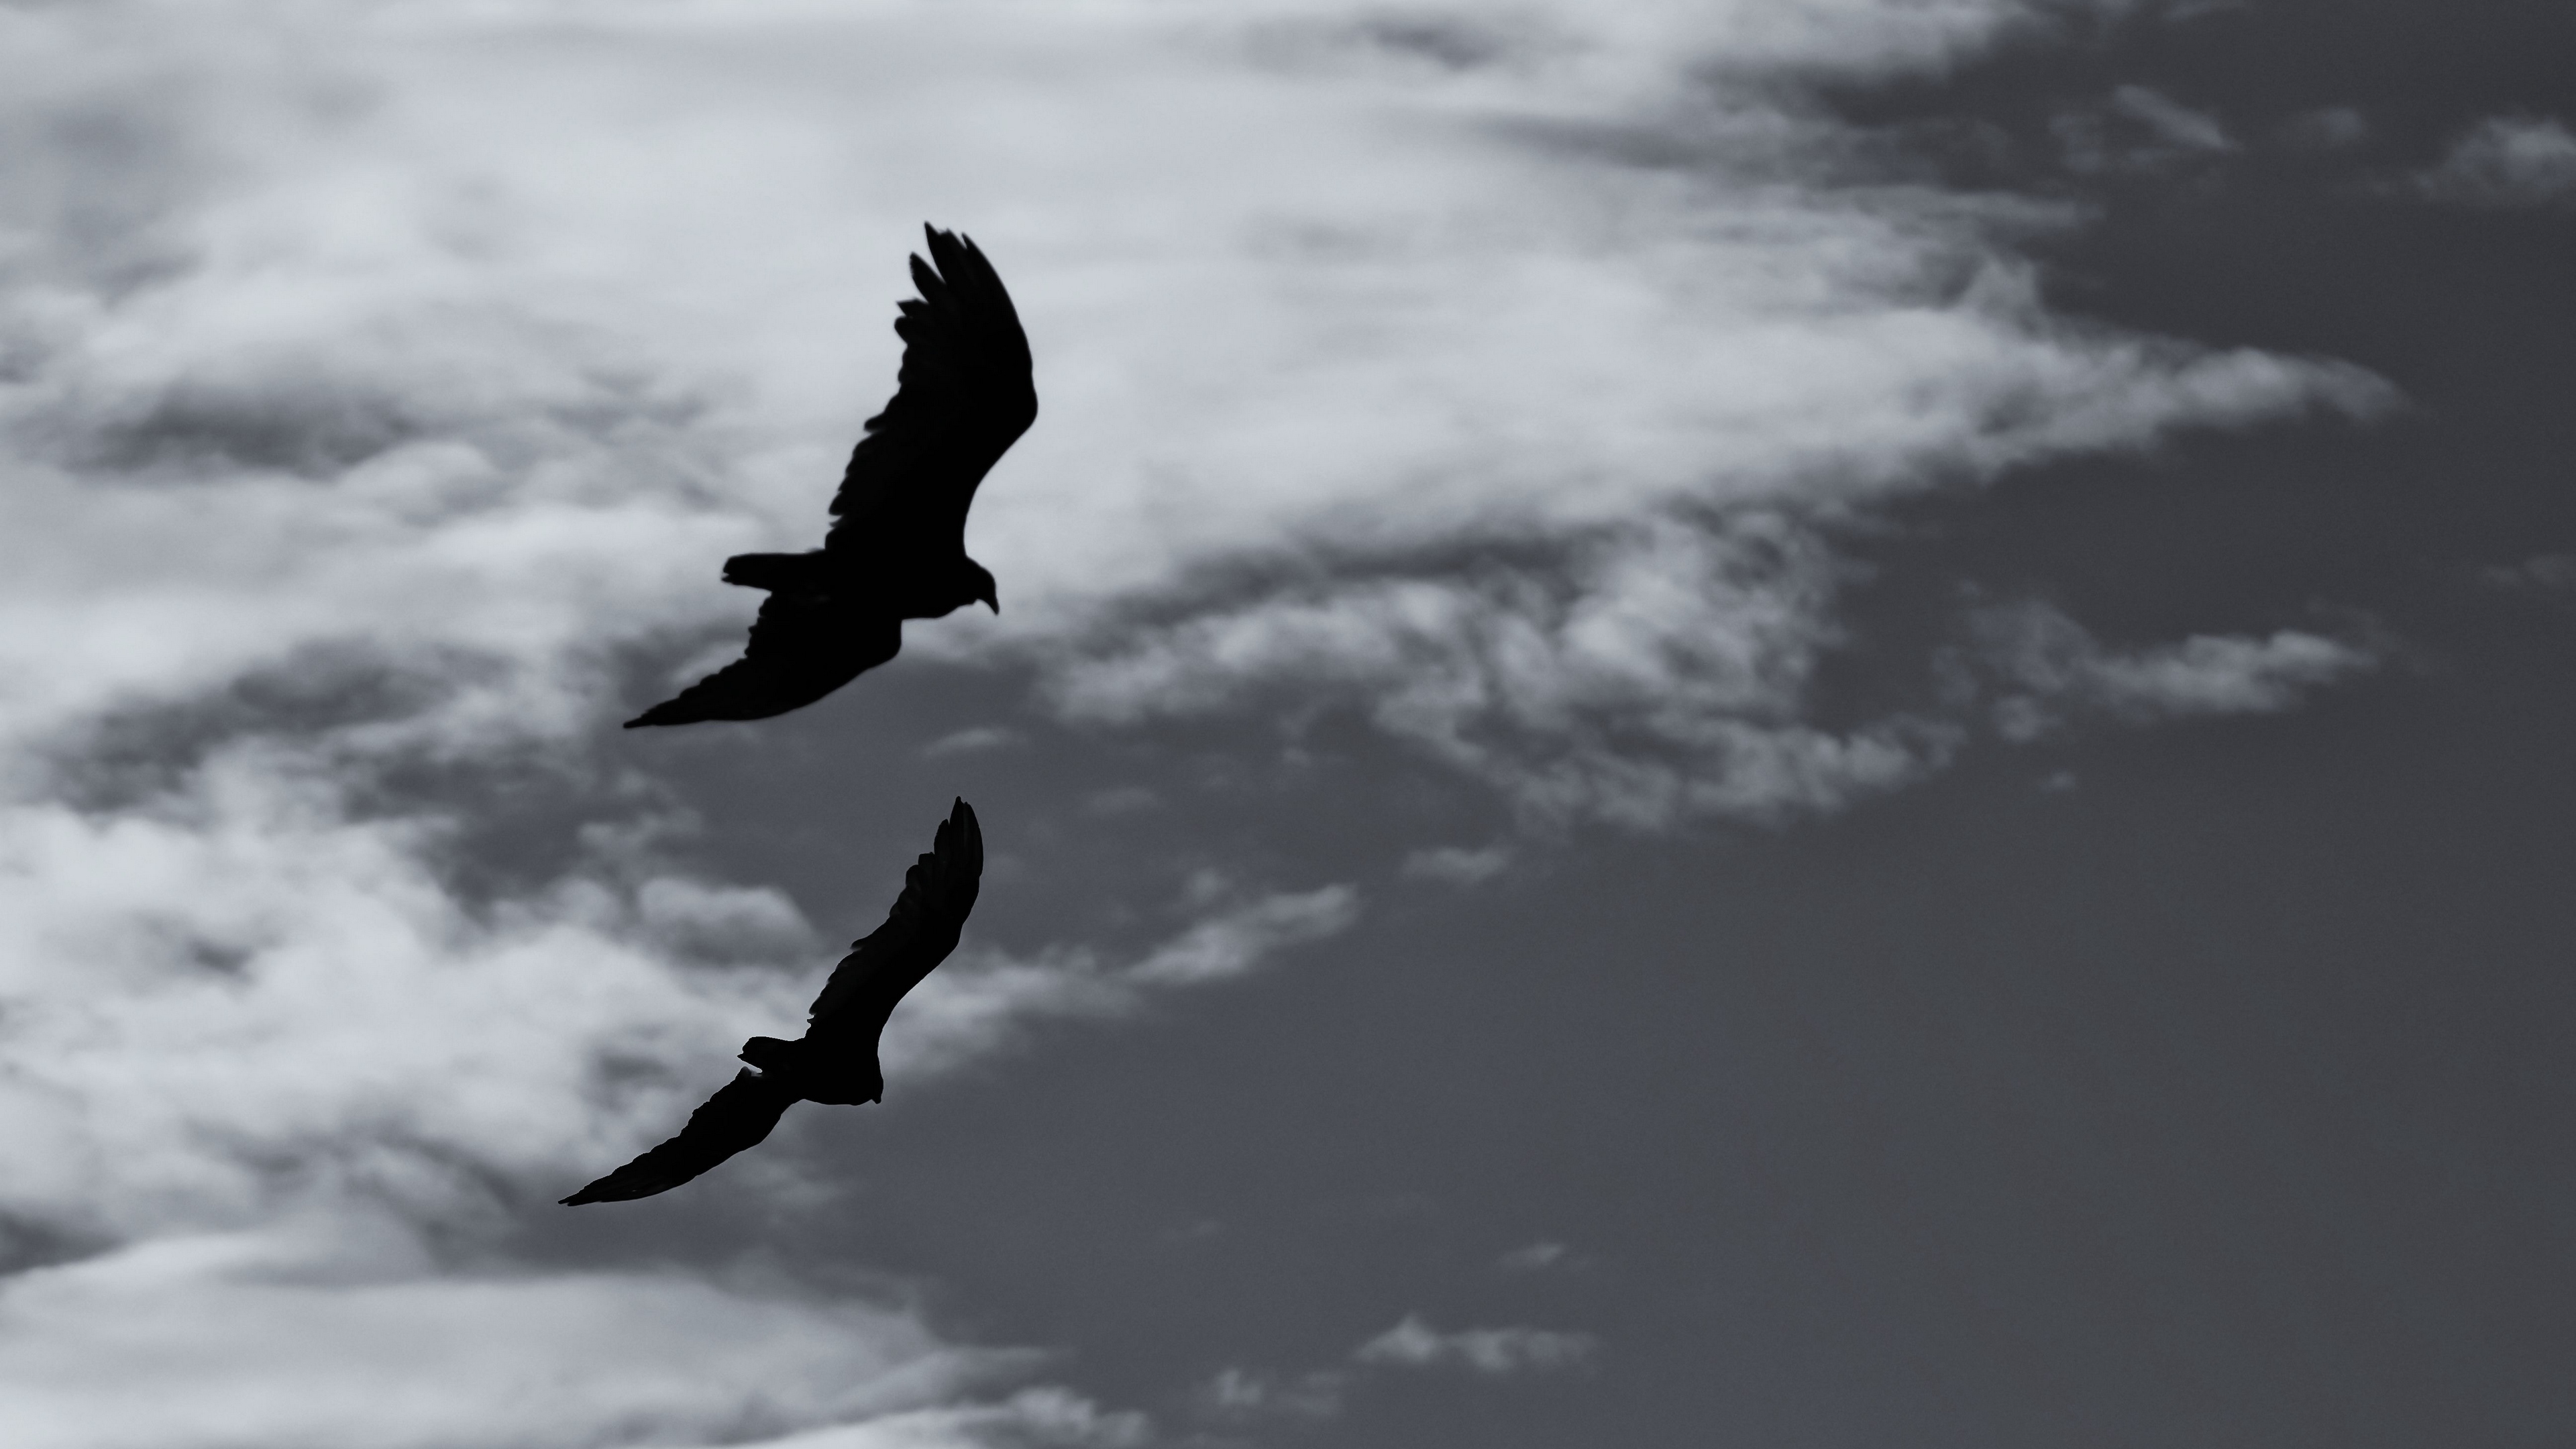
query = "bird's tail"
{"x": 772, "y": 571}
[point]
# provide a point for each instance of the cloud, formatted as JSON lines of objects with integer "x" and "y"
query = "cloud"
{"x": 1038, "y": 1418}
{"x": 1237, "y": 1393}
{"x": 2541, "y": 573}
{"x": 2327, "y": 128}
{"x": 2138, "y": 129}
{"x": 1532, "y": 1258}
{"x": 986, "y": 998}
{"x": 2505, "y": 162}
{"x": 1660, "y": 676}
{"x": 1457, "y": 865}
{"x": 268, "y": 1338}
{"x": 1413, "y": 1343}
{"x": 237, "y": 994}
{"x": 976, "y": 740}
{"x": 2059, "y": 668}
{"x": 1236, "y": 941}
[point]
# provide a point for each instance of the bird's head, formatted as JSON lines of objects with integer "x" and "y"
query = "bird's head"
{"x": 979, "y": 580}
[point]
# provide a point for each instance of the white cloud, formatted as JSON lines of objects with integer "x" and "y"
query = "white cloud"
{"x": 1660, "y": 677}
{"x": 1413, "y": 1343}
{"x": 256, "y": 1339}
{"x": 985, "y": 997}
{"x": 1236, "y": 941}
{"x": 2506, "y": 162}
{"x": 2058, "y": 667}
{"x": 216, "y": 1000}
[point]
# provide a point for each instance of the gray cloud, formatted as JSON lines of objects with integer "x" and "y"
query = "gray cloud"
{"x": 1413, "y": 1343}
{"x": 1457, "y": 865}
{"x": 2505, "y": 162}
{"x": 1532, "y": 1258}
{"x": 976, "y": 740}
{"x": 2138, "y": 129}
{"x": 1038, "y": 1418}
{"x": 2327, "y": 128}
{"x": 2057, "y": 668}
{"x": 1238, "y": 1393}
{"x": 2541, "y": 573}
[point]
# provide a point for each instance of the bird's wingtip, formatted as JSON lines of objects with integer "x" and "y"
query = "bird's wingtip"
{"x": 945, "y": 243}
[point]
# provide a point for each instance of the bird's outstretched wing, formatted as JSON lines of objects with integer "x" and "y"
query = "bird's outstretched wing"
{"x": 918, "y": 934}
{"x": 801, "y": 649}
{"x": 964, "y": 395}
{"x": 739, "y": 1115}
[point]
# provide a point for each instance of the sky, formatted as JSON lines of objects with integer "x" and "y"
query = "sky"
{"x": 1766, "y": 722}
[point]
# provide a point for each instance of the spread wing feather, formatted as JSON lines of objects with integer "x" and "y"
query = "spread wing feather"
{"x": 918, "y": 934}
{"x": 800, "y": 650}
{"x": 963, "y": 396}
{"x": 739, "y": 1115}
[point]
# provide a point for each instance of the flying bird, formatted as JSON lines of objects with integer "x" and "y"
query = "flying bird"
{"x": 836, "y": 1060}
{"x": 898, "y": 551}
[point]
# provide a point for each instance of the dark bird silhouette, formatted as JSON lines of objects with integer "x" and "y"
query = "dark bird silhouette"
{"x": 963, "y": 397}
{"x": 836, "y": 1060}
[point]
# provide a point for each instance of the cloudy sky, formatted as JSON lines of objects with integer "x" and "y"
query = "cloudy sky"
{"x": 1758, "y": 722}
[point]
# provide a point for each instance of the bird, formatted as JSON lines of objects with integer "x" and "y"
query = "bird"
{"x": 836, "y": 1060}
{"x": 963, "y": 396}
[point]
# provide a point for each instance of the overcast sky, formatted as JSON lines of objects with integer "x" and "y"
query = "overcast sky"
{"x": 1759, "y": 722}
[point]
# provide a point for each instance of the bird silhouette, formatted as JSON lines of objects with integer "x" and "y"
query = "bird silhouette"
{"x": 836, "y": 1060}
{"x": 898, "y": 552}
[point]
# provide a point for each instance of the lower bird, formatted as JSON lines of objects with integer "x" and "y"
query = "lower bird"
{"x": 836, "y": 1060}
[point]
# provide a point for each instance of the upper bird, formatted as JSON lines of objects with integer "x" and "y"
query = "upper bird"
{"x": 836, "y": 1060}
{"x": 964, "y": 395}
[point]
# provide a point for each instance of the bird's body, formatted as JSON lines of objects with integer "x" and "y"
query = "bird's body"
{"x": 898, "y": 551}
{"x": 836, "y": 1060}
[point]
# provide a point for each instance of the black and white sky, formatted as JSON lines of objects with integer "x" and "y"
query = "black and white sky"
{"x": 1758, "y": 722}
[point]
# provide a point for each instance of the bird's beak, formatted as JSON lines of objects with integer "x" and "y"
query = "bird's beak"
{"x": 992, "y": 603}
